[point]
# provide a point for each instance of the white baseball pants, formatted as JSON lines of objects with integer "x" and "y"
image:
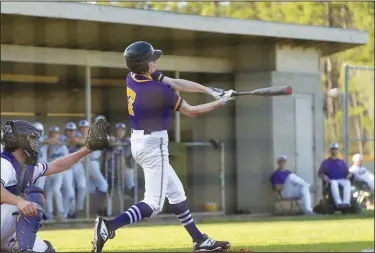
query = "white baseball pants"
{"x": 96, "y": 178}
{"x": 130, "y": 178}
{"x": 53, "y": 191}
{"x": 295, "y": 187}
{"x": 68, "y": 192}
{"x": 334, "y": 189}
{"x": 367, "y": 178}
{"x": 371, "y": 183}
{"x": 79, "y": 183}
{"x": 161, "y": 181}
{"x": 8, "y": 229}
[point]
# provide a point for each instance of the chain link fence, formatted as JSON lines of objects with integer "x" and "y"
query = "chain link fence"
{"x": 359, "y": 113}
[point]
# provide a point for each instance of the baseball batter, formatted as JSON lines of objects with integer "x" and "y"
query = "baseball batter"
{"x": 151, "y": 101}
{"x": 22, "y": 203}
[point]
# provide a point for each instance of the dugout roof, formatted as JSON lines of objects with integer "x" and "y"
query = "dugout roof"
{"x": 94, "y": 27}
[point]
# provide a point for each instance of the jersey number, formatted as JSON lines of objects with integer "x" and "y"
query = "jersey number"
{"x": 131, "y": 97}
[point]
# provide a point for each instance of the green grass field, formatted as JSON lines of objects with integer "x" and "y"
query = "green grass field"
{"x": 334, "y": 234}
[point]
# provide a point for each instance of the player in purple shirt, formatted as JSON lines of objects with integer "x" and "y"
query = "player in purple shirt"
{"x": 151, "y": 100}
{"x": 334, "y": 171}
{"x": 289, "y": 185}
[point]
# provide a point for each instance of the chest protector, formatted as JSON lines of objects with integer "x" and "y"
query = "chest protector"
{"x": 24, "y": 174}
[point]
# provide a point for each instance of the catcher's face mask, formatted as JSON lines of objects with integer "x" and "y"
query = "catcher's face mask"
{"x": 32, "y": 151}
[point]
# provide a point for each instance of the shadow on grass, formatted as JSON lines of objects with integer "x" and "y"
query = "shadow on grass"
{"x": 312, "y": 247}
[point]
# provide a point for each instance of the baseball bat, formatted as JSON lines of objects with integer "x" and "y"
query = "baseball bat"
{"x": 266, "y": 92}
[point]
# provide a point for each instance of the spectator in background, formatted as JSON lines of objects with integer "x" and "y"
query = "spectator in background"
{"x": 125, "y": 150}
{"x": 335, "y": 172}
{"x": 1, "y": 142}
{"x": 97, "y": 183}
{"x": 71, "y": 139}
{"x": 42, "y": 157}
{"x": 39, "y": 126}
{"x": 361, "y": 174}
{"x": 289, "y": 185}
{"x": 54, "y": 182}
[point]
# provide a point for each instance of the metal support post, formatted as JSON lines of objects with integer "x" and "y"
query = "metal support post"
{"x": 120, "y": 174}
{"x": 135, "y": 182}
{"x": 88, "y": 117}
{"x": 223, "y": 192}
{"x": 346, "y": 115}
{"x": 177, "y": 117}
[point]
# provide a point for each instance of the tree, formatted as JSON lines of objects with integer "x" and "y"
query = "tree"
{"x": 350, "y": 15}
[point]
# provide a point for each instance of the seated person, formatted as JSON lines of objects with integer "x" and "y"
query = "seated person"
{"x": 334, "y": 171}
{"x": 361, "y": 174}
{"x": 290, "y": 185}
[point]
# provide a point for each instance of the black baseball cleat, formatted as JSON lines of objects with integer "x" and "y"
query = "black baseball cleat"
{"x": 102, "y": 233}
{"x": 207, "y": 244}
{"x": 50, "y": 247}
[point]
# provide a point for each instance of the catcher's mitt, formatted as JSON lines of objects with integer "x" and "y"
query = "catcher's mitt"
{"x": 97, "y": 138}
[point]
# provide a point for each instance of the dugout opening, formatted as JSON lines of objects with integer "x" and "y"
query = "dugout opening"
{"x": 205, "y": 188}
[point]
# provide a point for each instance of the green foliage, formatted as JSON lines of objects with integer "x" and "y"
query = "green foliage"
{"x": 350, "y": 15}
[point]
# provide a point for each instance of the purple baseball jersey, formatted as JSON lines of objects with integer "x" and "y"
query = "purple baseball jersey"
{"x": 279, "y": 176}
{"x": 334, "y": 168}
{"x": 150, "y": 102}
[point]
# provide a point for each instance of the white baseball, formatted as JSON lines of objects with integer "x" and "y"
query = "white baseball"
{"x": 334, "y": 92}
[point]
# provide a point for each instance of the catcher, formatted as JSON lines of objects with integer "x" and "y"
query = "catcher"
{"x": 22, "y": 203}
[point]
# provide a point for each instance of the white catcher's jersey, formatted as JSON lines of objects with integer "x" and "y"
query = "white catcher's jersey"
{"x": 8, "y": 173}
{"x": 361, "y": 173}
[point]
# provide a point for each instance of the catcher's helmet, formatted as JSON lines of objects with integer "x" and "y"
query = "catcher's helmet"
{"x": 98, "y": 117}
{"x": 21, "y": 134}
{"x": 139, "y": 54}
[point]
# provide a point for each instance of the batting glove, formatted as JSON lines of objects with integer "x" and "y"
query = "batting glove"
{"x": 227, "y": 96}
{"x": 216, "y": 93}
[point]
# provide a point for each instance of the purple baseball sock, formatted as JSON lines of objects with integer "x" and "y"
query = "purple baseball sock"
{"x": 184, "y": 215}
{"x": 135, "y": 213}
